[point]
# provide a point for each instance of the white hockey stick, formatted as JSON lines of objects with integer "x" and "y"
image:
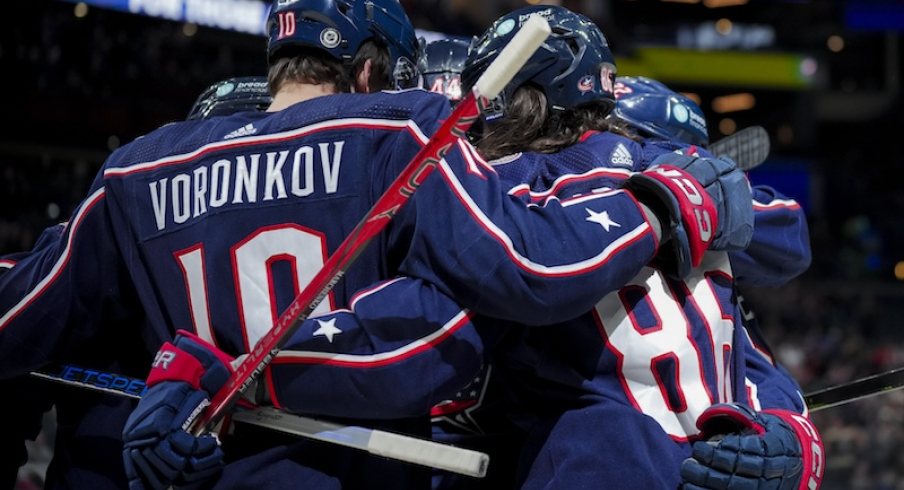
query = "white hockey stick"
{"x": 377, "y": 442}
{"x": 389, "y": 445}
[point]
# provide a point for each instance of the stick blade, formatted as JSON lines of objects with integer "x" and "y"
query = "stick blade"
{"x": 385, "y": 444}
{"x": 748, "y": 147}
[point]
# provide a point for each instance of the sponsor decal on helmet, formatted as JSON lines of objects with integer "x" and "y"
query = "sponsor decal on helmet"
{"x": 585, "y": 84}
{"x": 697, "y": 121}
{"x": 680, "y": 113}
{"x": 505, "y": 27}
{"x": 225, "y": 89}
{"x": 330, "y": 38}
{"x": 546, "y": 14}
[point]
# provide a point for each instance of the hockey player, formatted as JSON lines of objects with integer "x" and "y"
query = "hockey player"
{"x": 474, "y": 418}
{"x": 87, "y": 432}
{"x": 638, "y": 372}
{"x": 440, "y": 65}
{"x": 666, "y": 121}
{"x": 217, "y": 223}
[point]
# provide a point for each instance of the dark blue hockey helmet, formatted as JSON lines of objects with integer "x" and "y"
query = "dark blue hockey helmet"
{"x": 573, "y": 66}
{"x": 440, "y": 65}
{"x": 651, "y": 107}
{"x": 338, "y": 27}
{"x": 230, "y": 96}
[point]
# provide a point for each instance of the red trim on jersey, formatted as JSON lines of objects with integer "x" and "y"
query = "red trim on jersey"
{"x": 60, "y": 264}
{"x": 266, "y": 139}
{"x": 375, "y": 360}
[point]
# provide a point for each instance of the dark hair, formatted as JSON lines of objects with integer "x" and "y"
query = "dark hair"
{"x": 529, "y": 125}
{"x": 314, "y": 66}
{"x": 624, "y": 128}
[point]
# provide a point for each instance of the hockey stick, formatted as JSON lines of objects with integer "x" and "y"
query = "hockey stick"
{"x": 389, "y": 445}
{"x": 876, "y": 384}
{"x": 748, "y": 147}
{"x": 534, "y": 31}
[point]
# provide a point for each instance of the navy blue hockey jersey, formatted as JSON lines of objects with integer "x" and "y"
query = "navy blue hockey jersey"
{"x": 613, "y": 395}
{"x": 215, "y": 225}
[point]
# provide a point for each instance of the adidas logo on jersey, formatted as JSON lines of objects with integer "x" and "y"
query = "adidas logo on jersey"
{"x": 621, "y": 157}
{"x": 246, "y": 130}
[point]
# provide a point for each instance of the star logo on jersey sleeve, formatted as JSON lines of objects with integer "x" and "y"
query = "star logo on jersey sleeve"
{"x": 327, "y": 329}
{"x": 601, "y": 219}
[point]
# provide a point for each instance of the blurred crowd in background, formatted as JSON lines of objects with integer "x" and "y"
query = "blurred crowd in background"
{"x": 77, "y": 88}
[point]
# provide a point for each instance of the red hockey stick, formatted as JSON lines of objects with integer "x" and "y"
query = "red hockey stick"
{"x": 534, "y": 31}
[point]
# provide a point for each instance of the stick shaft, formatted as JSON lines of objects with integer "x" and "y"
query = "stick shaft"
{"x": 377, "y": 442}
{"x": 338, "y": 263}
{"x": 868, "y": 386}
{"x": 389, "y": 445}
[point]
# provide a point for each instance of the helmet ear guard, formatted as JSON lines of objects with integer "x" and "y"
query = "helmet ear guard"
{"x": 405, "y": 74}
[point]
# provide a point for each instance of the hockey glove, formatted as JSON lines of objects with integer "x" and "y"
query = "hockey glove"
{"x": 702, "y": 203}
{"x": 159, "y": 451}
{"x": 730, "y": 191}
{"x": 748, "y": 450}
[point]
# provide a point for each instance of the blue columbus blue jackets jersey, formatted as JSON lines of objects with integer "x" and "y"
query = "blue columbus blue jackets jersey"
{"x": 613, "y": 395}
{"x": 779, "y": 252}
{"x": 215, "y": 225}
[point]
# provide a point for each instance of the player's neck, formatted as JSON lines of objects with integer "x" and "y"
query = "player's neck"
{"x": 294, "y": 93}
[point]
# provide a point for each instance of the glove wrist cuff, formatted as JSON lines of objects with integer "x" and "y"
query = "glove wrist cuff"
{"x": 174, "y": 364}
{"x": 812, "y": 451}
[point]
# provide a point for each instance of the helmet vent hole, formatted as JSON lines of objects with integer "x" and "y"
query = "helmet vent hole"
{"x": 573, "y": 46}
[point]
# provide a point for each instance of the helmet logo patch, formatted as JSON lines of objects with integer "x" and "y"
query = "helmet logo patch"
{"x": 225, "y": 89}
{"x": 680, "y": 113}
{"x": 585, "y": 84}
{"x": 505, "y": 27}
{"x": 330, "y": 38}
